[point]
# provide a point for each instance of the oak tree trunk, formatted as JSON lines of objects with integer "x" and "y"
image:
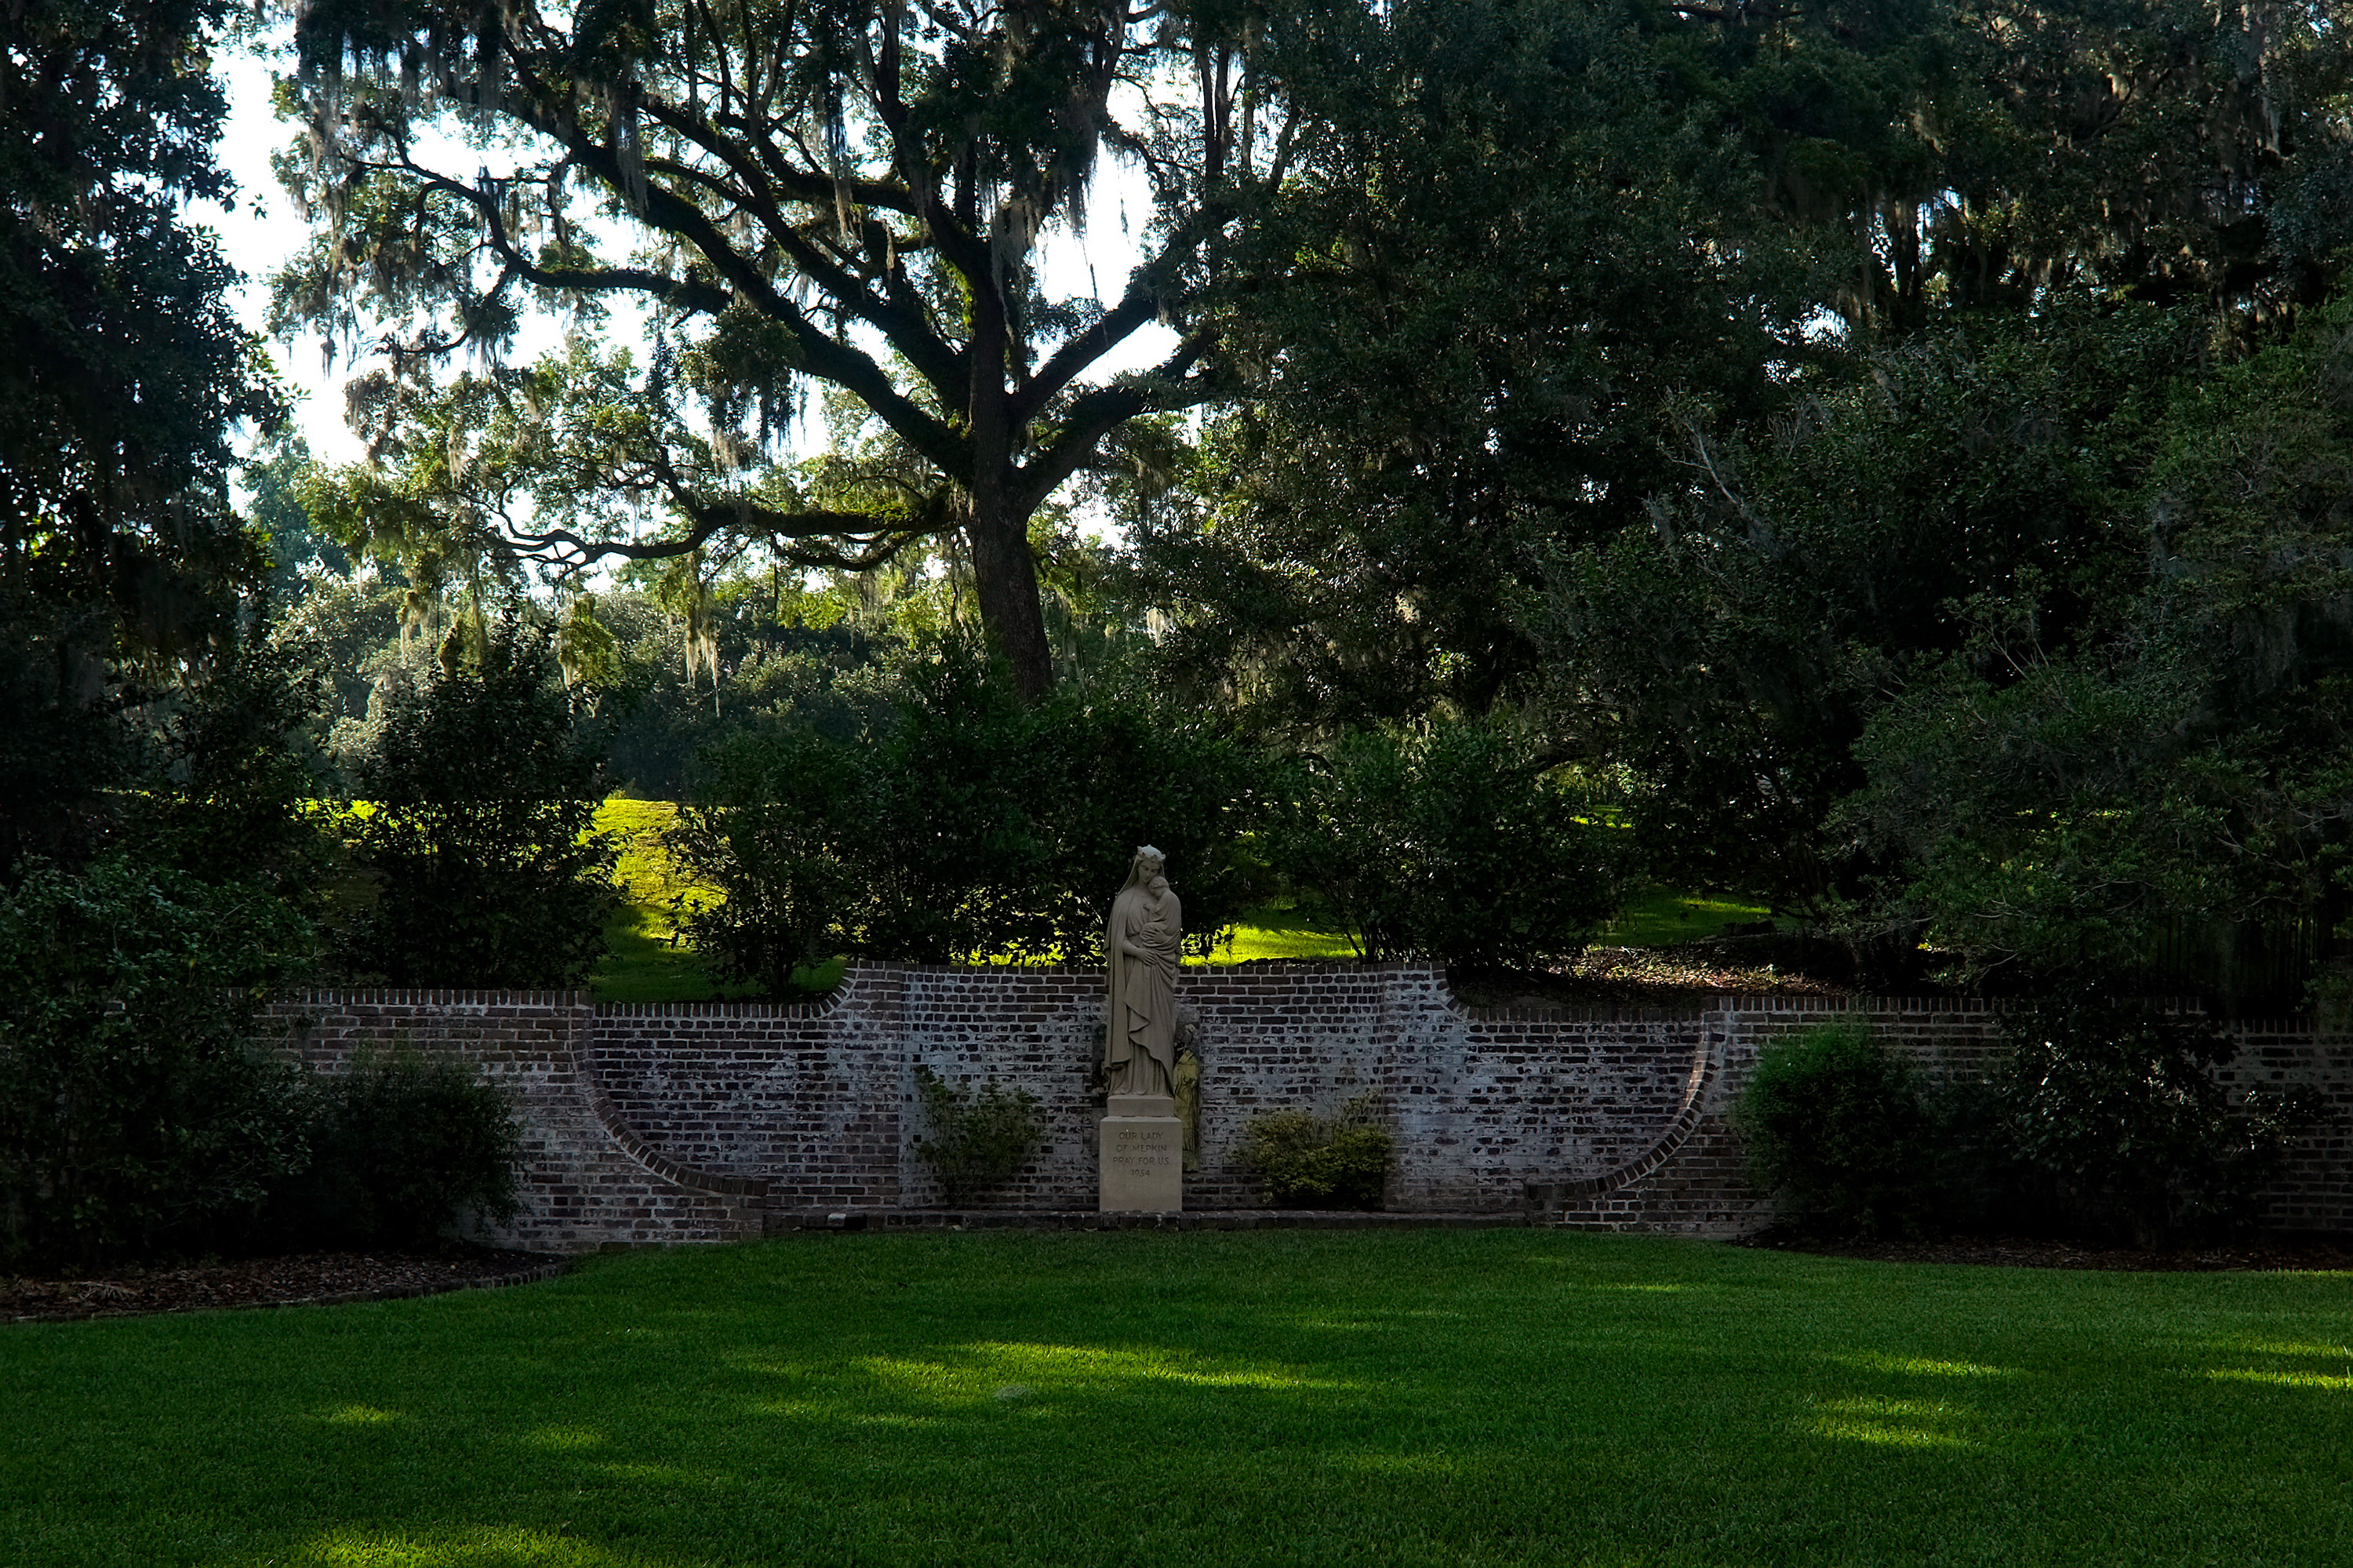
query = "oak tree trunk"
{"x": 1004, "y": 574}
{"x": 1005, "y": 581}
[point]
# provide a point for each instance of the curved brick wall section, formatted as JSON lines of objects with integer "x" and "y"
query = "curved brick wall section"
{"x": 695, "y": 1122}
{"x": 821, "y": 1104}
{"x": 583, "y": 1187}
{"x": 1697, "y": 1186}
{"x": 806, "y": 1100}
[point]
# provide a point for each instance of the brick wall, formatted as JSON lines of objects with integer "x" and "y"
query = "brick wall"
{"x": 2317, "y": 1193}
{"x": 589, "y": 1179}
{"x": 695, "y": 1122}
{"x": 1691, "y": 1180}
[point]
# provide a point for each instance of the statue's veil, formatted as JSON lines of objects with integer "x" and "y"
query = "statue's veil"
{"x": 1135, "y": 877}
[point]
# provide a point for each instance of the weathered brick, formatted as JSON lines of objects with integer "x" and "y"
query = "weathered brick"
{"x": 692, "y": 1122}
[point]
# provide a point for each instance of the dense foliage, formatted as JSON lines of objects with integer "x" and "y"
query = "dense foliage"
{"x": 475, "y": 829}
{"x": 1310, "y": 1161}
{"x": 978, "y": 1138}
{"x": 2101, "y": 1120}
{"x": 138, "y": 1112}
{"x": 122, "y": 378}
{"x": 2144, "y": 731}
{"x": 1453, "y": 841}
{"x": 144, "y": 1109}
{"x": 401, "y": 1146}
{"x": 1938, "y": 428}
{"x": 123, "y": 373}
{"x": 1834, "y": 1123}
{"x": 967, "y": 826}
{"x": 2113, "y": 1109}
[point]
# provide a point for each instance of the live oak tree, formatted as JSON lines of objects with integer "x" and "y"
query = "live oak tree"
{"x": 123, "y": 376}
{"x": 849, "y": 192}
{"x": 1697, "y": 380}
{"x": 1535, "y": 257}
{"x": 1513, "y": 234}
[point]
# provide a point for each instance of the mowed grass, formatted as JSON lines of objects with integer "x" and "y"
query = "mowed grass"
{"x": 1663, "y": 917}
{"x": 648, "y": 958}
{"x": 1280, "y": 931}
{"x": 1291, "y": 1397}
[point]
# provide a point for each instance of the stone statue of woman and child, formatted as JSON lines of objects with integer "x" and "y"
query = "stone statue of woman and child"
{"x": 1143, "y": 1139}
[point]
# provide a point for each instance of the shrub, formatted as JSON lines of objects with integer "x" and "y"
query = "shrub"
{"x": 777, "y": 826}
{"x": 234, "y": 780}
{"x": 970, "y": 827}
{"x": 2115, "y": 1109}
{"x": 1454, "y": 842}
{"x": 1314, "y": 1162}
{"x": 980, "y": 1137}
{"x": 1835, "y": 1124}
{"x": 482, "y": 795}
{"x": 137, "y": 1114}
{"x": 404, "y": 1146}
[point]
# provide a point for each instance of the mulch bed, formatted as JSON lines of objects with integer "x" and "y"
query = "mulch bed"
{"x": 302, "y": 1279}
{"x": 2306, "y": 1252}
{"x": 329, "y": 1278}
{"x": 1678, "y": 978}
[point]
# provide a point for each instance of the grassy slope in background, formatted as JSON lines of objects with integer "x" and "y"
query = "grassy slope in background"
{"x": 648, "y": 963}
{"x": 1392, "y": 1398}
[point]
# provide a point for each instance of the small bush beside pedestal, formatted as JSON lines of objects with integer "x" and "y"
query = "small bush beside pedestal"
{"x": 980, "y": 1137}
{"x": 1316, "y": 1163}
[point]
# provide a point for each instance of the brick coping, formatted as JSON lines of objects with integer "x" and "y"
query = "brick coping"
{"x": 862, "y": 979}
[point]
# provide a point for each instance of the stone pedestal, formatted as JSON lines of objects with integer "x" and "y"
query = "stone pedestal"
{"x": 1143, "y": 1155}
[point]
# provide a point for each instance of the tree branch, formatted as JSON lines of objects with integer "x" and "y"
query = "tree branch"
{"x": 1095, "y": 414}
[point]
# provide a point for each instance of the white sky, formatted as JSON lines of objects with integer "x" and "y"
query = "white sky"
{"x": 265, "y": 229}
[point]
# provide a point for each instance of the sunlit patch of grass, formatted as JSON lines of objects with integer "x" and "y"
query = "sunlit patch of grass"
{"x": 2287, "y": 1347}
{"x": 1094, "y": 1362}
{"x": 648, "y": 956}
{"x": 1663, "y": 916}
{"x": 567, "y": 1439}
{"x": 1882, "y": 1434}
{"x": 1280, "y": 930}
{"x": 1922, "y": 1366}
{"x": 1903, "y": 1409}
{"x": 976, "y": 1372}
{"x": 359, "y": 1415}
{"x": 1890, "y": 1423}
{"x": 490, "y": 1546}
{"x": 2281, "y": 1378}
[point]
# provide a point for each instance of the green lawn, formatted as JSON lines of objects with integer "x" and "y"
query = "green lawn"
{"x": 1280, "y": 931}
{"x": 1661, "y": 916}
{"x": 646, "y": 958}
{"x": 1284, "y": 1397}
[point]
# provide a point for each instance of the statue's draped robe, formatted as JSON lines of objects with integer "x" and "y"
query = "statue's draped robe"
{"x": 1140, "y": 1021}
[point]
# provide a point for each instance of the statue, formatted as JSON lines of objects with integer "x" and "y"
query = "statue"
{"x": 1141, "y": 945}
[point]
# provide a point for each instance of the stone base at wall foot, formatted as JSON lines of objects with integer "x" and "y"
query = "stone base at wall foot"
{"x": 806, "y": 1221}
